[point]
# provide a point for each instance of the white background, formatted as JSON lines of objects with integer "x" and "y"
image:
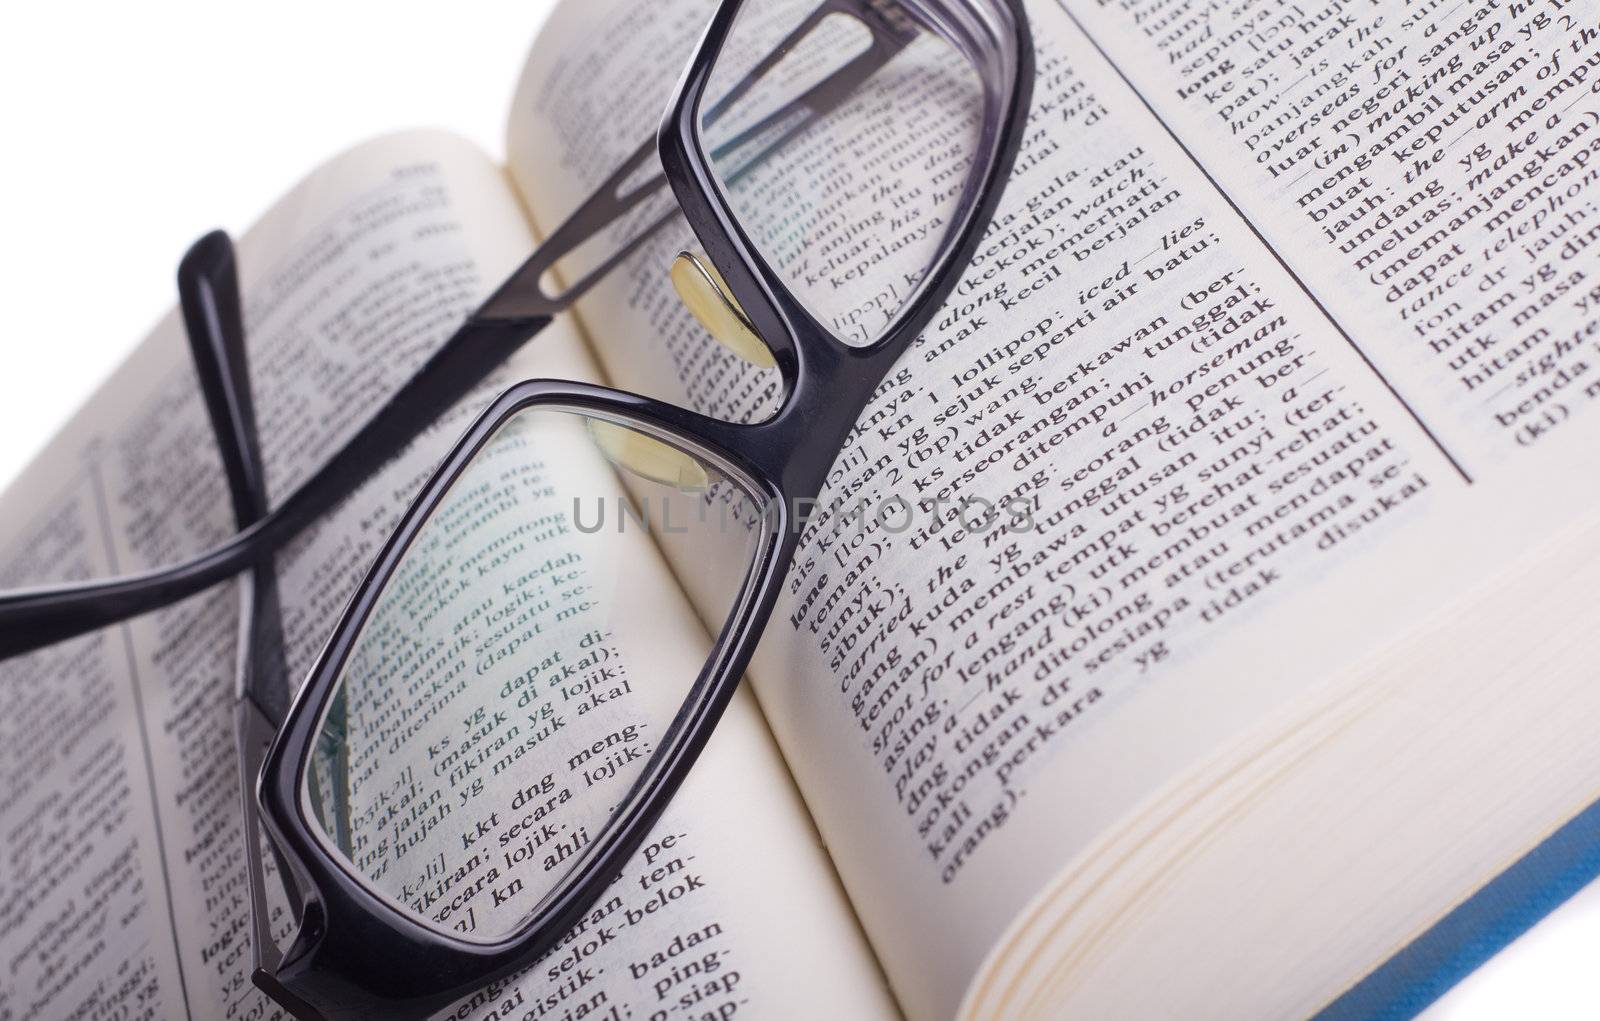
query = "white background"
{"x": 132, "y": 129}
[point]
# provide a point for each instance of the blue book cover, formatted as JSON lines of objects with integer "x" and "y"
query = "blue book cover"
{"x": 1533, "y": 886}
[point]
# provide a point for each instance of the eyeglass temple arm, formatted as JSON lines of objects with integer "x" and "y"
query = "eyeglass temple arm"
{"x": 213, "y": 318}
{"x": 33, "y": 618}
{"x": 208, "y": 294}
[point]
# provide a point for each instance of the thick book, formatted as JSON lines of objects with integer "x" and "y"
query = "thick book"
{"x": 1285, "y": 330}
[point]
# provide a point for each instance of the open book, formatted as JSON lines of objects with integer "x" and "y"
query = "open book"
{"x": 1287, "y": 328}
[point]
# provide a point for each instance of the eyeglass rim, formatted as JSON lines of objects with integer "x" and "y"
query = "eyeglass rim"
{"x": 818, "y": 368}
{"x": 601, "y": 403}
{"x": 356, "y": 951}
{"x": 340, "y": 906}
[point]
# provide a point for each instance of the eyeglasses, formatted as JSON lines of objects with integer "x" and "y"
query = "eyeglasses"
{"x": 511, "y": 582}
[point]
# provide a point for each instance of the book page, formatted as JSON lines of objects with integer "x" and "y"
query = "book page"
{"x": 1320, "y": 846}
{"x": 1428, "y": 173}
{"x": 124, "y": 892}
{"x": 1227, "y": 497}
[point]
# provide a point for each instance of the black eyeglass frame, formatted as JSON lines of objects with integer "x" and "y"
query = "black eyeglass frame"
{"x": 516, "y": 312}
{"x": 356, "y": 953}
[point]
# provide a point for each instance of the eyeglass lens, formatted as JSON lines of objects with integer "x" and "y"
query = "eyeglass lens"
{"x": 513, "y": 679}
